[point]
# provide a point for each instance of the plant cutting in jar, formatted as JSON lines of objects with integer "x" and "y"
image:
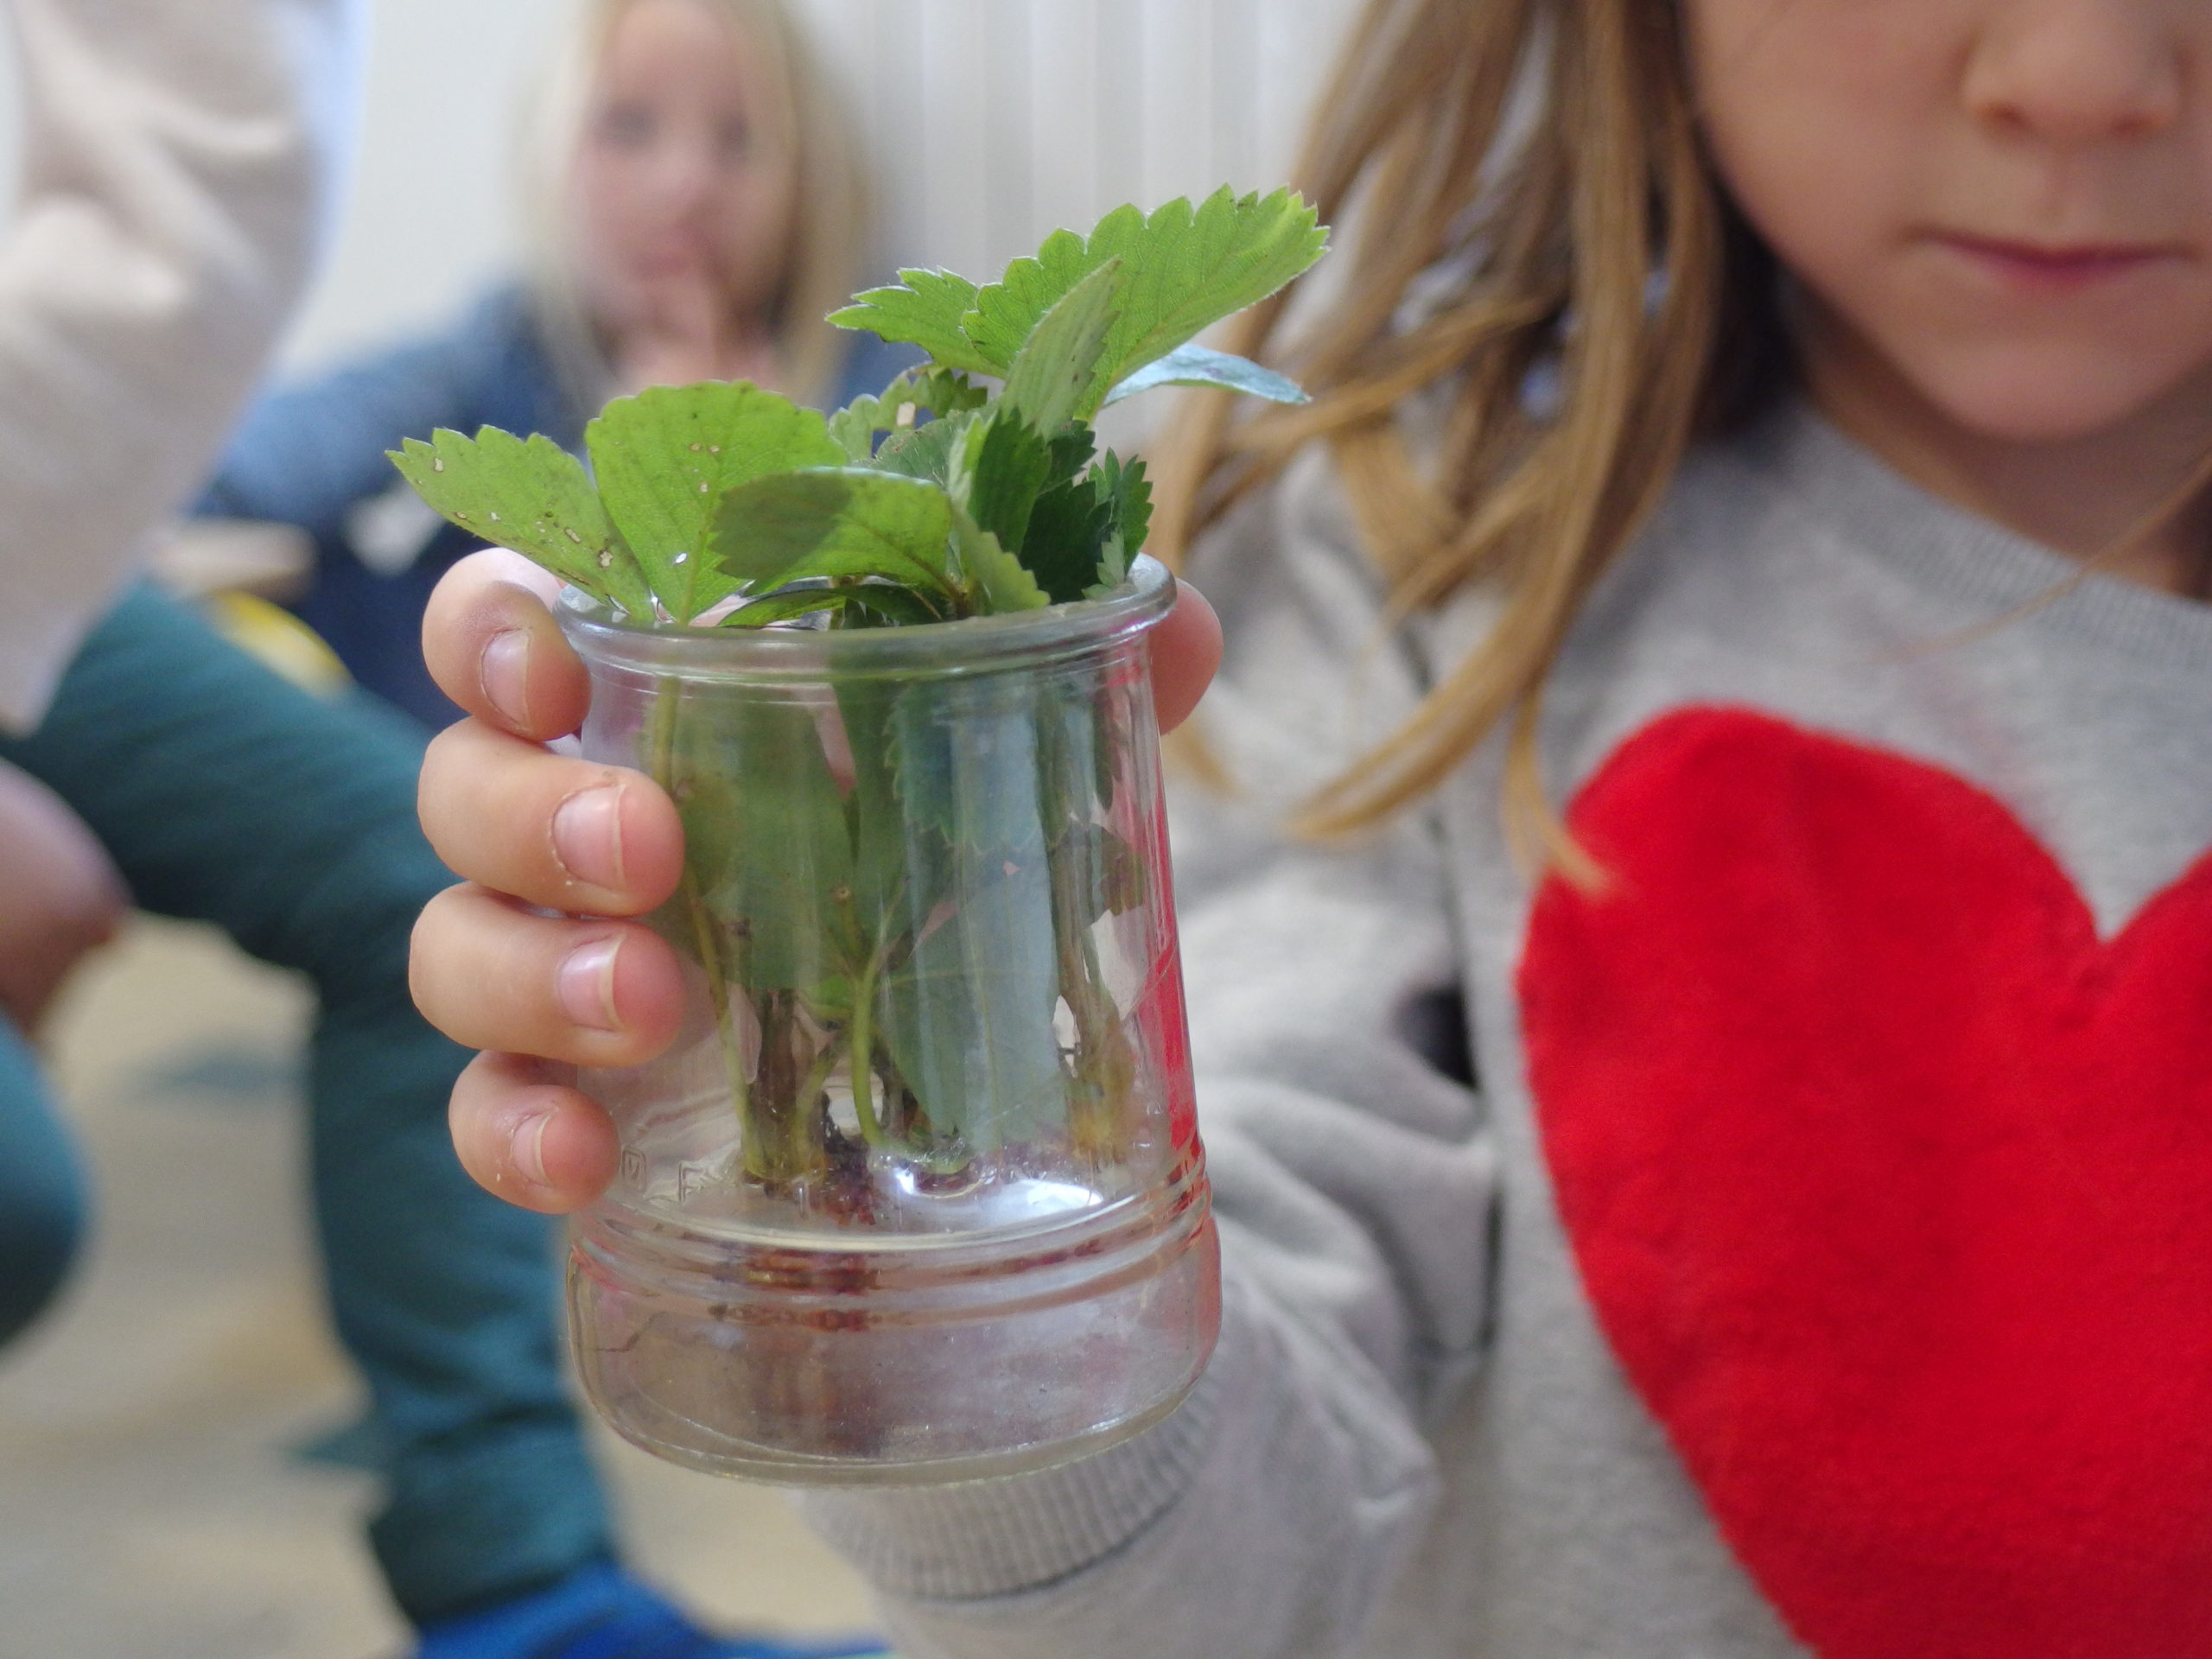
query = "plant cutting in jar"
{"x": 893, "y": 907}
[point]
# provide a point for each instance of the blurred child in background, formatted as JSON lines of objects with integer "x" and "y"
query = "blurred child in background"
{"x": 694, "y": 206}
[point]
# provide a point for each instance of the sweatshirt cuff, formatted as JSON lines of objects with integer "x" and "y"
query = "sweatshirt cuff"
{"x": 996, "y": 1537}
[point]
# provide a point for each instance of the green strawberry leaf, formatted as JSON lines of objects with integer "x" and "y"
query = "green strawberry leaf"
{"x": 1068, "y": 532}
{"x": 532, "y": 497}
{"x": 765, "y": 839}
{"x": 1124, "y": 485}
{"x": 853, "y": 429}
{"x": 665, "y": 457}
{"x": 788, "y": 606}
{"x": 877, "y": 604}
{"x": 839, "y": 522}
{"x": 1072, "y": 448}
{"x": 897, "y": 861}
{"x": 1195, "y": 365}
{"x": 1186, "y": 268}
{"x": 1047, "y": 379}
{"x": 968, "y": 1016}
{"x": 1002, "y": 465}
{"x": 868, "y": 604}
{"x": 924, "y": 309}
{"x": 940, "y": 391}
{"x": 925, "y": 451}
{"x": 995, "y": 581}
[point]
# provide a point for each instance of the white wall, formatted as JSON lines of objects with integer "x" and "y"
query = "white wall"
{"x": 426, "y": 220}
{"x": 994, "y": 121}
{"x": 991, "y": 121}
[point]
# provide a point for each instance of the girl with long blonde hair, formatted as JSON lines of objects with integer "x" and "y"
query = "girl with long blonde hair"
{"x": 694, "y": 201}
{"x": 693, "y": 205}
{"x": 1710, "y": 1096}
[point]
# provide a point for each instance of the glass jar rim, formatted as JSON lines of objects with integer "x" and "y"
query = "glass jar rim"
{"x": 972, "y": 644}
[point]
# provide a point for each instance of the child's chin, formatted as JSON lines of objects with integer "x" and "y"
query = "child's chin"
{"x": 2063, "y": 400}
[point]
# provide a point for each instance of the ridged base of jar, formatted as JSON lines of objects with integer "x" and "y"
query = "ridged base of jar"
{"x": 908, "y": 1361}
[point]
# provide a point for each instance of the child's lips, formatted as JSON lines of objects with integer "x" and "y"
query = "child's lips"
{"x": 2048, "y": 268}
{"x": 673, "y": 259}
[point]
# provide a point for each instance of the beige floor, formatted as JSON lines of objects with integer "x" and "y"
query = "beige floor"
{"x": 153, "y": 1504}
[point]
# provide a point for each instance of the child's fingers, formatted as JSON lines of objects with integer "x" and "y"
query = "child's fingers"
{"x": 523, "y": 1132}
{"x": 492, "y": 975}
{"x": 492, "y": 646}
{"x": 566, "y": 834}
{"x": 1185, "y": 651}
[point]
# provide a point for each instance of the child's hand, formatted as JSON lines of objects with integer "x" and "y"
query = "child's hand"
{"x": 527, "y": 828}
{"x": 530, "y": 828}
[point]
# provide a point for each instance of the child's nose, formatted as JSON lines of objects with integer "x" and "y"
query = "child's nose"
{"x": 686, "y": 172}
{"x": 2073, "y": 72}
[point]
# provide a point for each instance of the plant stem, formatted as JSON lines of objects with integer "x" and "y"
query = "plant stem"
{"x": 863, "y": 1049}
{"x": 1105, "y": 1059}
{"x": 1102, "y": 1067}
{"x": 817, "y": 1075}
{"x": 662, "y": 746}
{"x": 789, "y": 1140}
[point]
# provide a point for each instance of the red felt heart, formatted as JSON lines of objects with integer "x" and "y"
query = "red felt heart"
{"x": 1892, "y": 1185}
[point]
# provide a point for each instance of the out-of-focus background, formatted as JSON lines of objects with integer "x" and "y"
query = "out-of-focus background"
{"x": 173, "y": 1473}
{"x": 990, "y": 123}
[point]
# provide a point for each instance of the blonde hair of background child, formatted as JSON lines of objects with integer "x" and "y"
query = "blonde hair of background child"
{"x": 830, "y": 220}
{"x": 1553, "y": 145}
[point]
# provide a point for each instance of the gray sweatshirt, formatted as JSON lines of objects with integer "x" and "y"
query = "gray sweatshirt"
{"x": 1423, "y": 1437}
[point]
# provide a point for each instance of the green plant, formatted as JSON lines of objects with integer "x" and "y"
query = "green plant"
{"x": 909, "y": 922}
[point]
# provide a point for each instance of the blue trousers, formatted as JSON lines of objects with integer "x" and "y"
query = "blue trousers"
{"x": 224, "y": 794}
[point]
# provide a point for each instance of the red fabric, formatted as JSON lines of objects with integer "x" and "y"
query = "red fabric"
{"x": 1166, "y": 1028}
{"x": 1892, "y": 1185}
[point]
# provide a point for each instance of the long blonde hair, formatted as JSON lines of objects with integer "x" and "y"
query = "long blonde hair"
{"x": 1547, "y": 150}
{"x": 830, "y": 216}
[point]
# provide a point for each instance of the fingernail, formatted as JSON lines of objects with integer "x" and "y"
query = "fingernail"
{"x": 503, "y": 675}
{"x": 530, "y": 1149}
{"x": 587, "y": 985}
{"x": 587, "y": 836}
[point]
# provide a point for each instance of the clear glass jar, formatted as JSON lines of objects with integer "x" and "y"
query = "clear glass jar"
{"x": 917, "y": 1194}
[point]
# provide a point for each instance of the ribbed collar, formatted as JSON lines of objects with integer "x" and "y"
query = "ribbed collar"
{"x": 1878, "y": 511}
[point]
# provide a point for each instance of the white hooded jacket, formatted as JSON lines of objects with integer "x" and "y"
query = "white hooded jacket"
{"x": 178, "y": 170}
